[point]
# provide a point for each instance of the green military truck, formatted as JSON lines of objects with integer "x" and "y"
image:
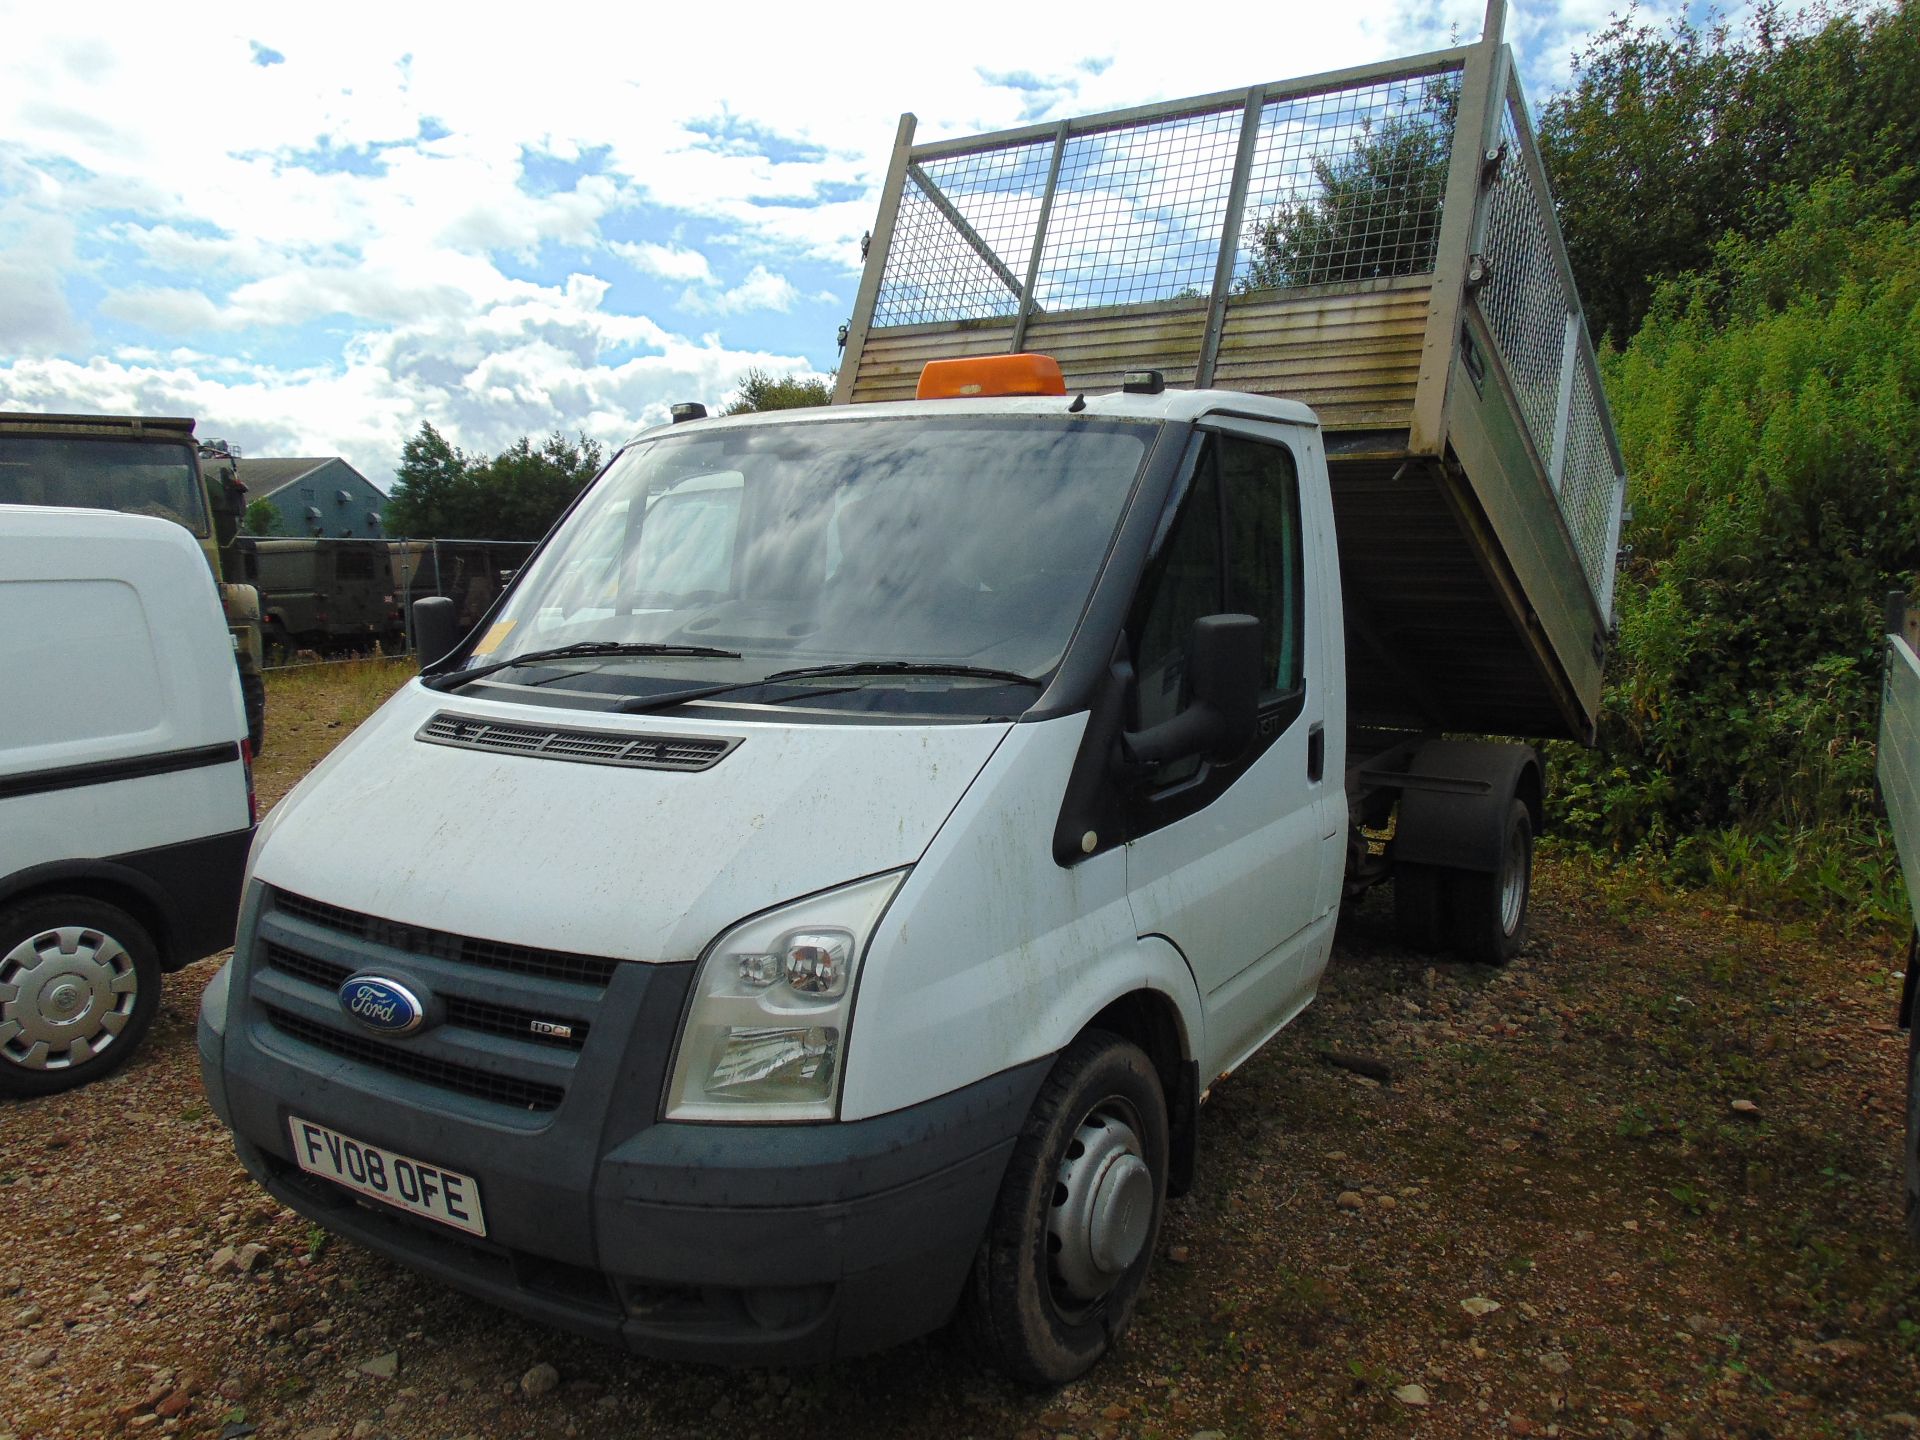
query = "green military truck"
{"x": 143, "y": 465}
{"x": 1900, "y": 788}
{"x": 328, "y": 596}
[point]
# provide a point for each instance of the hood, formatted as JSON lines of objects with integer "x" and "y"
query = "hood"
{"x": 596, "y": 859}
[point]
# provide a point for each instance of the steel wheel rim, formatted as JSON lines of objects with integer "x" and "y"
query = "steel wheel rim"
{"x": 1513, "y": 885}
{"x": 1101, "y": 1210}
{"x": 66, "y": 995}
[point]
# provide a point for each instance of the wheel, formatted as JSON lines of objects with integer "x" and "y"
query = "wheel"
{"x": 1419, "y": 911}
{"x": 1073, "y": 1230}
{"x": 79, "y": 985}
{"x": 1490, "y": 910}
{"x": 253, "y": 690}
{"x": 276, "y": 644}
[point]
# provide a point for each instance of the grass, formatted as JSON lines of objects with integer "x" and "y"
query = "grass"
{"x": 312, "y": 708}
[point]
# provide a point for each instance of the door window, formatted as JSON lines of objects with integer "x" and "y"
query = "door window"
{"x": 1231, "y": 545}
{"x": 1262, "y": 491}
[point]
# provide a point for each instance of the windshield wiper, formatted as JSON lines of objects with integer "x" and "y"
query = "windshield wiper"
{"x": 909, "y": 667}
{"x": 644, "y": 703}
{"x": 454, "y": 679}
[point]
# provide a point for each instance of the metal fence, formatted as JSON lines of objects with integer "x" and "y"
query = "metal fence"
{"x": 1235, "y": 201}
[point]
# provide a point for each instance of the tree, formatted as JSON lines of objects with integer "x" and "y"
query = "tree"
{"x": 1669, "y": 140}
{"x": 429, "y": 496}
{"x": 519, "y": 493}
{"x": 442, "y": 491}
{"x": 762, "y": 391}
{"x": 1374, "y": 211}
{"x": 262, "y": 517}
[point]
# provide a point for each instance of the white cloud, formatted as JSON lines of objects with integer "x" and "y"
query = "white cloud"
{"x": 761, "y": 290}
{"x": 669, "y": 262}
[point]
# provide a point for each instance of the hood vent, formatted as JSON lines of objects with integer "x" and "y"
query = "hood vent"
{"x": 588, "y": 747}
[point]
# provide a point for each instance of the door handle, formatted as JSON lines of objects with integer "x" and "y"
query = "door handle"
{"x": 1316, "y": 753}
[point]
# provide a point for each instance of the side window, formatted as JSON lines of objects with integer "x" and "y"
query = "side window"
{"x": 1262, "y": 491}
{"x": 1183, "y": 582}
{"x": 1233, "y": 546}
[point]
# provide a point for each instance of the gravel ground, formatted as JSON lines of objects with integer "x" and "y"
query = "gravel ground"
{"x": 1640, "y": 1183}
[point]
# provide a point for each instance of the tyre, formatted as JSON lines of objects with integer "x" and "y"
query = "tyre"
{"x": 1074, "y": 1228}
{"x": 276, "y": 644}
{"x": 253, "y": 690}
{"x": 1419, "y": 907}
{"x": 1490, "y": 910}
{"x": 79, "y": 986}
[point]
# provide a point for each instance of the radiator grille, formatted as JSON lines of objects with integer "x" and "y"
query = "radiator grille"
{"x": 481, "y": 1084}
{"x": 463, "y": 1012}
{"x": 460, "y": 949}
{"x": 686, "y": 753}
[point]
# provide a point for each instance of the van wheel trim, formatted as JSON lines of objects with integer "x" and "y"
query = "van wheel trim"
{"x": 66, "y": 995}
{"x": 55, "y": 949}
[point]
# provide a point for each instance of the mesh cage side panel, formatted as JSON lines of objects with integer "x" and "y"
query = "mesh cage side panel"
{"x": 1348, "y": 184}
{"x": 1137, "y": 213}
{"x": 1523, "y": 300}
{"x": 1590, "y": 490}
{"x": 1526, "y": 305}
{"x": 934, "y": 273}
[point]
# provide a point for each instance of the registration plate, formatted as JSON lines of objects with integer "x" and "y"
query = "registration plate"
{"x": 386, "y": 1175}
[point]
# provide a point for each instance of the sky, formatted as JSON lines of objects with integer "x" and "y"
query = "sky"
{"x": 313, "y": 228}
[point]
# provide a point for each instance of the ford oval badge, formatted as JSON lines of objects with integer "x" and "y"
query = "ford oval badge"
{"x": 382, "y": 1005}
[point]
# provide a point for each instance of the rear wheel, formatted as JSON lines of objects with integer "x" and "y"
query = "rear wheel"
{"x": 1490, "y": 910}
{"x": 1073, "y": 1231}
{"x": 79, "y": 985}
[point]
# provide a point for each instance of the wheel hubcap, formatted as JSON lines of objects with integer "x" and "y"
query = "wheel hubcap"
{"x": 1102, "y": 1209}
{"x": 65, "y": 996}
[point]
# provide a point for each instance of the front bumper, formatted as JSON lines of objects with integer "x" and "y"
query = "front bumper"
{"x": 749, "y": 1244}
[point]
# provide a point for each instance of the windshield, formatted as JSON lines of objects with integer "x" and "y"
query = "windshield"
{"x": 134, "y": 477}
{"x": 969, "y": 541}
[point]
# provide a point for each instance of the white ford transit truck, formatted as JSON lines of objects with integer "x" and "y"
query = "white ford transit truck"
{"x": 817, "y": 899}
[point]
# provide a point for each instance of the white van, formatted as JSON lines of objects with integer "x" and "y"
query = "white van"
{"x": 126, "y": 798}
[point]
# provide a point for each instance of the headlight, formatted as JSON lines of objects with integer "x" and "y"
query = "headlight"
{"x": 766, "y": 1035}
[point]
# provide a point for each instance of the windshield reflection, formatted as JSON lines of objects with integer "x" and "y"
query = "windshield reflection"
{"x": 972, "y": 540}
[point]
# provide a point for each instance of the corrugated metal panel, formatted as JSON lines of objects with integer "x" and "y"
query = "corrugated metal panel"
{"x": 1900, "y": 759}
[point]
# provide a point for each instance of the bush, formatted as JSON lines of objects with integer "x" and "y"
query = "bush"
{"x": 1769, "y": 411}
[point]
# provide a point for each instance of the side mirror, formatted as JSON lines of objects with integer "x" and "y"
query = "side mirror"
{"x": 1223, "y": 710}
{"x": 434, "y": 630}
